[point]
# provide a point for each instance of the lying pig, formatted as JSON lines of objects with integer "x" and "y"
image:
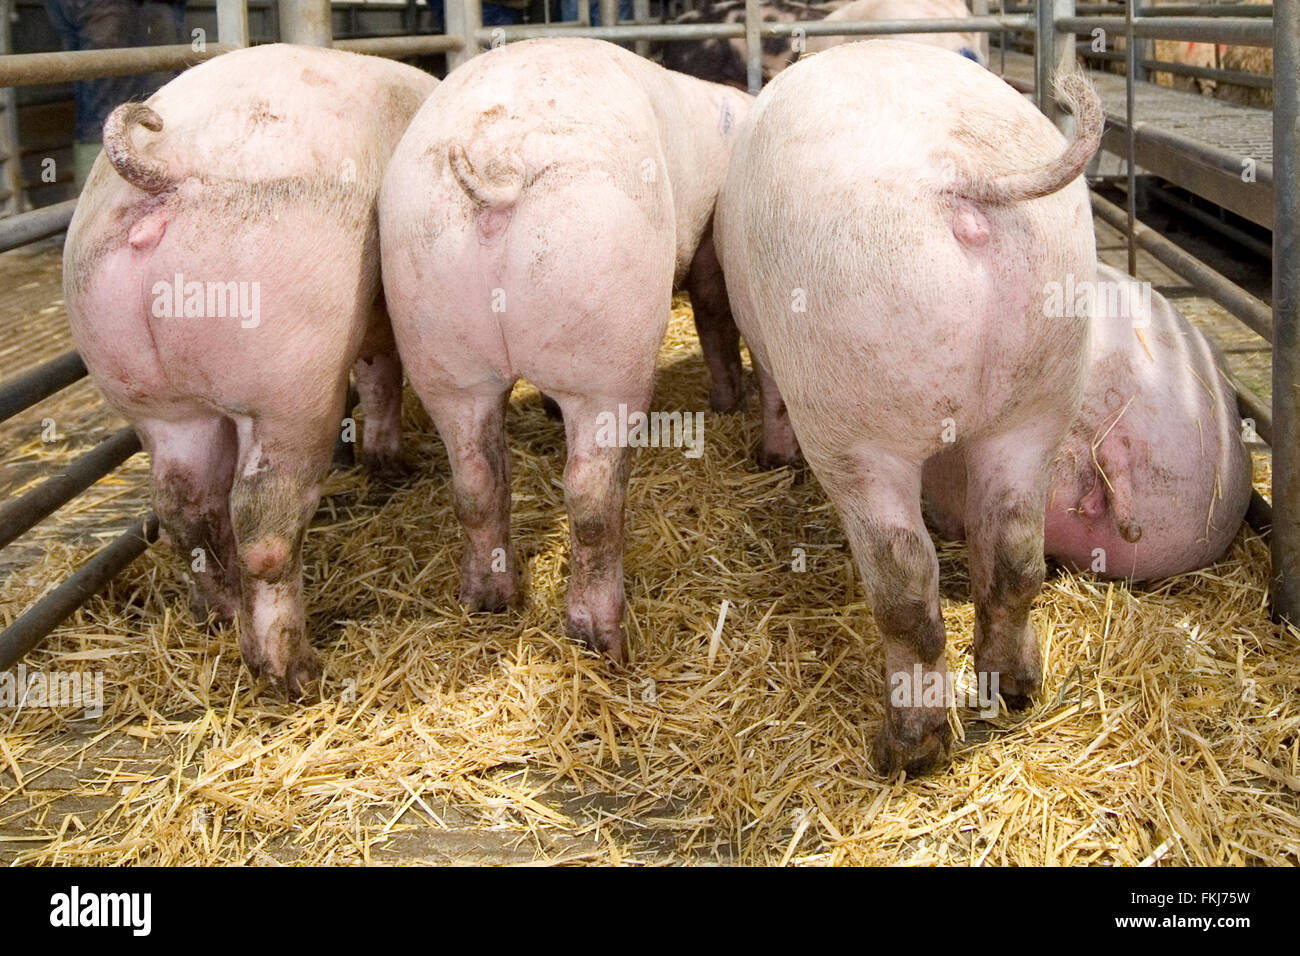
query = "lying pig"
{"x": 221, "y": 276}
{"x": 886, "y": 257}
{"x": 534, "y": 220}
{"x": 1153, "y": 478}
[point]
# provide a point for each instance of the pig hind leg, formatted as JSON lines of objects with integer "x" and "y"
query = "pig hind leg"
{"x": 719, "y": 337}
{"x": 193, "y": 465}
{"x": 282, "y": 462}
{"x": 780, "y": 446}
{"x": 1006, "y": 495}
{"x": 595, "y": 489}
{"x": 379, "y": 385}
{"x": 878, "y": 497}
{"x": 472, "y": 426}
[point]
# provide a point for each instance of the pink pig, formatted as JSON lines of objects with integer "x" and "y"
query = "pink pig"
{"x": 222, "y": 276}
{"x": 1153, "y": 478}
{"x": 534, "y": 221}
{"x": 891, "y": 218}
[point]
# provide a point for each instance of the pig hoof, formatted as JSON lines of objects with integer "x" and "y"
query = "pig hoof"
{"x": 219, "y": 611}
{"x": 494, "y": 591}
{"x": 302, "y": 677}
{"x": 1018, "y": 684}
{"x": 726, "y": 399}
{"x": 769, "y": 460}
{"x": 1018, "y": 693}
{"x": 917, "y": 755}
{"x": 552, "y": 408}
{"x": 609, "y": 641}
{"x": 389, "y": 469}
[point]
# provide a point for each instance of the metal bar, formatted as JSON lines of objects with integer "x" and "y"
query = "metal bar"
{"x": 753, "y": 47}
{"x": 21, "y": 514}
{"x": 306, "y": 22}
{"x": 665, "y": 32}
{"x": 39, "y": 384}
{"x": 1237, "y": 77}
{"x": 1173, "y": 10}
{"x": 1202, "y": 10}
{"x": 1063, "y": 61}
{"x": 35, "y": 69}
{"x": 10, "y": 163}
{"x": 50, "y": 611}
{"x": 846, "y": 28}
{"x": 453, "y": 14}
{"x": 474, "y": 27}
{"x": 1232, "y": 233}
{"x": 1241, "y": 31}
{"x": 1130, "y": 163}
{"x": 641, "y": 17}
{"x": 1254, "y": 313}
{"x": 399, "y": 46}
{"x": 38, "y": 224}
{"x": 1205, "y": 154}
{"x": 980, "y": 8}
{"x": 609, "y": 12}
{"x": 1251, "y": 406}
{"x": 232, "y": 22}
{"x": 1285, "y": 542}
{"x": 1045, "y": 58}
{"x": 670, "y": 32}
{"x": 1002, "y": 39}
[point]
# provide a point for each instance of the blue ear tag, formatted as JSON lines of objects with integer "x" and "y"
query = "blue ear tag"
{"x": 970, "y": 54}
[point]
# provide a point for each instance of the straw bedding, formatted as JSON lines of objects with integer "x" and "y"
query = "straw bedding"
{"x": 1168, "y": 731}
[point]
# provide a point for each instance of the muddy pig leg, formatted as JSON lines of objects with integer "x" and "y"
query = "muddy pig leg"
{"x": 379, "y": 385}
{"x": 193, "y": 465}
{"x": 719, "y": 337}
{"x": 1006, "y": 495}
{"x": 595, "y": 488}
{"x": 472, "y": 426}
{"x": 780, "y": 447}
{"x": 282, "y": 462}
{"x": 879, "y": 501}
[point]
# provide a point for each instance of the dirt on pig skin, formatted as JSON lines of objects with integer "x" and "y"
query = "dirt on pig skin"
{"x": 535, "y": 219}
{"x": 221, "y": 277}
{"x": 886, "y": 258}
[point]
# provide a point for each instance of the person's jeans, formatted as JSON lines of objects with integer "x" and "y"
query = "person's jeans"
{"x": 569, "y": 11}
{"x": 96, "y": 25}
{"x": 106, "y": 25}
{"x": 494, "y": 15}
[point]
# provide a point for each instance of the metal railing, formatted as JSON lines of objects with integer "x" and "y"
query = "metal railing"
{"x": 1054, "y": 26}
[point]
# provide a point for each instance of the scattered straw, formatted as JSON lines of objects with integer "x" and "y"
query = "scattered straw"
{"x": 1166, "y": 732}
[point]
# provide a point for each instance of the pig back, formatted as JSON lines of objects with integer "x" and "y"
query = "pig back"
{"x": 536, "y": 122}
{"x": 278, "y": 112}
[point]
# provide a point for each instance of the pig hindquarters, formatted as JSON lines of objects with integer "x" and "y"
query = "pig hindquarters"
{"x": 1153, "y": 478}
{"x": 221, "y": 275}
{"x": 534, "y": 220}
{"x": 887, "y": 257}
